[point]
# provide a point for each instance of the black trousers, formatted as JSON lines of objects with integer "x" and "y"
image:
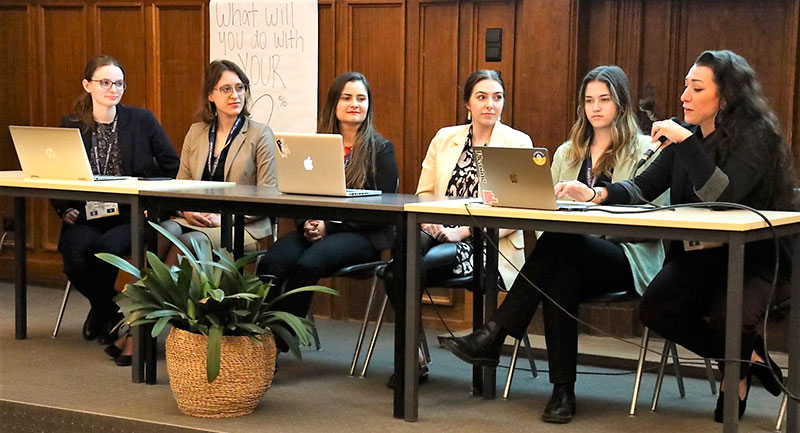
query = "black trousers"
{"x": 568, "y": 269}
{"x": 294, "y": 262}
{"x": 438, "y": 261}
{"x": 685, "y": 302}
{"x": 93, "y": 277}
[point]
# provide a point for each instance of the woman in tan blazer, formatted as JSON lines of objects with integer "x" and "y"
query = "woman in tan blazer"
{"x": 449, "y": 170}
{"x": 226, "y": 146}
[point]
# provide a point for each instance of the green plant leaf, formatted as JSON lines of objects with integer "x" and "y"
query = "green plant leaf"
{"x": 217, "y": 294}
{"x": 175, "y": 241}
{"x": 321, "y": 289}
{"x": 241, "y": 313}
{"x": 301, "y": 332}
{"x": 249, "y": 327}
{"x": 120, "y": 263}
{"x": 288, "y": 338}
{"x": 159, "y": 326}
{"x": 213, "y": 353}
{"x": 162, "y": 313}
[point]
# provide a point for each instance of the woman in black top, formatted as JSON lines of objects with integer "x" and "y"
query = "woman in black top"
{"x": 119, "y": 140}
{"x": 318, "y": 248}
{"x": 730, "y": 150}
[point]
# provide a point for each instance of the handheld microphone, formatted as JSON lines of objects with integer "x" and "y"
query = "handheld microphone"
{"x": 649, "y": 152}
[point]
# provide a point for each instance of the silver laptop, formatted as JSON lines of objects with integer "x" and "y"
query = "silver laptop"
{"x": 53, "y": 153}
{"x": 313, "y": 164}
{"x": 519, "y": 177}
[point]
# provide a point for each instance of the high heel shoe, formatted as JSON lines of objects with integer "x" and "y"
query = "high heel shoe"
{"x": 764, "y": 373}
{"x": 719, "y": 411}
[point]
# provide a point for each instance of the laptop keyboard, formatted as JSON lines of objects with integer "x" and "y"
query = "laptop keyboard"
{"x": 362, "y": 192}
{"x": 106, "y": 177}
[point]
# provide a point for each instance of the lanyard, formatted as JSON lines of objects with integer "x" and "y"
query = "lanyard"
{"x": 213, "y": 161}
{"x": 590, "y": 178}
{"x": 108, "y": 151}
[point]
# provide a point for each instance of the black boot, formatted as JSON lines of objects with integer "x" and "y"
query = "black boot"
{"x": 561, "y": 406}
{"x": 481, "y": 348}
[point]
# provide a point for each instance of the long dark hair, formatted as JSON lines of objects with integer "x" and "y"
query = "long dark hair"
{"x": 214, "y": 71}
{"x": 476, "y": 77}
{"x": 362, "y": 161}
{"x": 83, "y": 105}
{"x": 624, "y": 129}
{"x": 746, "y": 116}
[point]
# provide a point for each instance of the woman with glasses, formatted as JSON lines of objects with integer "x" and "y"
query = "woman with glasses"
{"x": 121, "y": 141}
{"x": 227, "y": 146}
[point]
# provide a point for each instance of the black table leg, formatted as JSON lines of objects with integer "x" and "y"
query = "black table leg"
{"x": 408, "y": 313}
{"x": 490, "y": 305}
{"x": 733, "y": 331}
{"x": 20, "y": 269}
{"x": 793, "y": 407}
{"x": 478, "y": 271}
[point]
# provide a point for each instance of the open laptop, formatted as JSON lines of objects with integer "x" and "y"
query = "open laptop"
{"x": 313, "y": 164}
{"x": 53, "y": 153}
{"x": 519, "y": 177}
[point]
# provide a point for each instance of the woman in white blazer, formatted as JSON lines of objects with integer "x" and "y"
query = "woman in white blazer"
{"x": 449, "y": 170}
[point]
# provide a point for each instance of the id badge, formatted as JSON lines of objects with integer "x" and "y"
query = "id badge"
{"x": 101, "y": 209}
{"x": 697, "y": 245}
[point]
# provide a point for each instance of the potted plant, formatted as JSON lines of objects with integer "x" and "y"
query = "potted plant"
{"x": 221, "y": 350}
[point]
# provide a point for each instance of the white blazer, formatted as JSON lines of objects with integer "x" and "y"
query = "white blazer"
{"x": 437, "y": 168}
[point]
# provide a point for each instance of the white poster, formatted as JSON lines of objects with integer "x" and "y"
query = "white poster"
{"x": 275, "y": 43}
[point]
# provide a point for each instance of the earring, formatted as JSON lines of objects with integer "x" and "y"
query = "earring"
{"x": 469, "y": 116}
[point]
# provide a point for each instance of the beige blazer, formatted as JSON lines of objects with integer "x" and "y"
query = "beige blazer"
{"x": 250, "y": 161}
{"x": 437, "y": 168}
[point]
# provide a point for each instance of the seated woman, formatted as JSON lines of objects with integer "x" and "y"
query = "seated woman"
{"x": 730, "y": 150}
{"x": 449, "y": 170}
{"x": 227, "y": 146}
{"x": 604, "y": 145}
{"x": 119, "y": 140}
{"x": 318, "y": 248}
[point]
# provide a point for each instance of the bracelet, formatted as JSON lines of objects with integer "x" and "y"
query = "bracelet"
{"x": 594, "y": 194}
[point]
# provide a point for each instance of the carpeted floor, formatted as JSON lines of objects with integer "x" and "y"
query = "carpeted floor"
{"x": 69, "y": 385}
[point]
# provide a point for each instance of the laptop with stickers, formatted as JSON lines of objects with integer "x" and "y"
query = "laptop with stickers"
{"x": 519, "y": 177}
{"x": 313, "y": 164}
{"x": 53, "y": 153}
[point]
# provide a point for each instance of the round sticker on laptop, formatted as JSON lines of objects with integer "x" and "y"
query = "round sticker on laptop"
{"x": 539, "y": 158}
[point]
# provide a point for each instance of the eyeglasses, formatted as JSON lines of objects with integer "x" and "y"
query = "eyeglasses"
{"x": 105, "y": 84}
{"x": 227, "y": 89}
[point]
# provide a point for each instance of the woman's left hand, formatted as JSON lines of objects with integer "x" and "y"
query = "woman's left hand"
{"x": 452, "y": 234}
{"x": 673, "y": 132}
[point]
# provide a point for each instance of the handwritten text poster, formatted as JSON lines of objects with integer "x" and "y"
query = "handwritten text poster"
{"x": 275, "y": 43}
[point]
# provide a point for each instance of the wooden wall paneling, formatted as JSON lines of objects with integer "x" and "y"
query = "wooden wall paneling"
{"x": 600, "y": 43}
{"x": 326, "y": 70}
{"x": 794, "y": 137}
{"x": 182, "y": 49}
{"x": 501, "y": 15}
{"x": 659, "y": 63}
{"x": 628, "y": 45}
{"x": 113, "y": 20}
{"x": 545, "y": 62}
{"x": 17, "y": 42}
{"x": 717, "y": 24}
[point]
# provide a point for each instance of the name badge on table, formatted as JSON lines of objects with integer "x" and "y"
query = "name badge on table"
{"x": 101, "y": 209}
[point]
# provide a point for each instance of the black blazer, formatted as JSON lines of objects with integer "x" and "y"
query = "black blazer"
{"x": 145, "y": 149}
{"x": 385, "y": 179}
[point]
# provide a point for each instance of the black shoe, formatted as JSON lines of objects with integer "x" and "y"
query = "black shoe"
{"x": 108, "y": 337}
{"x": 764, "y": 373}
{"x": 92, "y": 326}
{"x": 481, "y": 348}
{"x": 112, "y": 350}
{"x": 561, "y": 406}
{"x": 123, "y": 360}
{"x": 423, "y": 377}
{"x": 719, "y": 411}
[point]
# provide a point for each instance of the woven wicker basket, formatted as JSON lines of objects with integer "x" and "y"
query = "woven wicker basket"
{"x": 245, "y": 374}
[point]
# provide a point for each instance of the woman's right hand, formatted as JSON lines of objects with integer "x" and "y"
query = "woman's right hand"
{"x": 432, "y": 229}
{"x": 70, "y": 216}
{"x": 576, "y": 190}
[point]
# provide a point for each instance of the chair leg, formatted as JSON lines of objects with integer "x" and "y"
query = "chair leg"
{"x": 712, "y": 382}
{"x": 660, "y": 378}
{"x": 637, "y": 382}
{"x": 511, "y": 367}
{"x": 314, "y": 332}
{"x": 426, "y": 352}
{"x": 676, "y": 363}
{"x": 781, "y": 413}
{"x": 529, "y": 352}
{"x": 364, "y": 323}
{"x": 63, "y": 307}
{"x": 374, "y": 336}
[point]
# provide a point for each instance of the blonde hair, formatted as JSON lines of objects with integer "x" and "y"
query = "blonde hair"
{"x": 624, "y": 129}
